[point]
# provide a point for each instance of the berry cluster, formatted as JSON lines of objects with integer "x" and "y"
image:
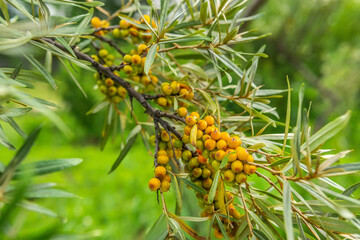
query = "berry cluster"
{"x": 134, "y": 67}
{"x": 167, "y": 149}
{"x": 97, "y": 23}
{"x": 174, "y": 89}
{"x": 136, "y": 33}
{"x": 214, "y": 147}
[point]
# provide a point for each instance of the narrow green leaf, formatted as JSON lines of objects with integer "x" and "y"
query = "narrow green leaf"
{"x": 16, "y": 71}
{"x": 129, "y": 143}
{"x": 260, "y": 235}
{"x": 38, "y": 66}
{"x": 196, "y": 70}
{"x": 46, "y": 167}
{"x": 72, "y": 77}
{"x": 213, "y": 188}
{"x": 177, "y": 194}
{"x": 262, "y": 225}
{"x": 49, "y": 193}
{"x": 222, "y": 228}
{"x": 328, "y": 131}
{"x": 4, "y": 141}
{"x": 193, "y": 186}
{"x": 287, "y": 213}
{"x": 335, "y": 224}
{"x": 288, "y": 114}
{"x": 158, "y": 230}
{"x": 230, "y": 35}
{"x": 4, "y": 10}
{"x": 350, "y": 190}
{"x": 209, "y": 100}
{"x": 150, "y": 57}
{"x": 203, "y": 12}
{"x": 36, "y": 208}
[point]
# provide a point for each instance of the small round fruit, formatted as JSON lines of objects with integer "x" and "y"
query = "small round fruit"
{"x": 166, "y": 89}
{"x": 175, "y": 86}
{"x": 134, "y": 32}
{"x": 128, "y": 69}
{"x": 229, "y": 175}
{"x": 237, "y": 166}
{"x": 209, "y": 129}
{"x": 154, "y": 79}
{"x": 199, "y": 145}
{"x": 240, "y": 178}
{"x": 193, "y": 163}
{"x": 154, "y": 184}
{"x": 127, "y": 58}
{"x": 141, "y": 48}
{"x": 206, "y": 137}
{"x": 109, "y": 82}
{"x": 161, "y": 152}
{"x": 195, "y": 114}
{"x": 183, "y": 92}
{"x": 207, "y": 183}
{"x": 234, "y": 142}
{"x": 224, "y": 136}
{"x": 163, "y": 159}
{"x": 116, "y": 99}
{"x": 215, "y": 134}
{"x": 215, "y": 164}
{"x": 218, "y": 234}
{"x": 103, "y": 89}
{"x": 201, "y": 159}
{"x": 190, "y": 96}
{"x": 185, "y": 139}
{"x": 182, "y": 112}
{"x": 187, "y": 130}
{"x": 116, "y": 33}
{"x": 206, "y": 173}
{"x": 219, "y": 155}
{"x": 232, "y": 155}
{"x": 96, "y": 22}
{"x": 103, "y": 53}
{"x": 202, "y": 124}
{"x": 190, "y": 120}
{"x": 242, "y": 154}
{"x": 165, "y": 186}
{"x": 210, "y": 144}
{"x": 121, "y": 91}
{"x": 124, "y": 32}
{"x": 162, "y": 101}
{"x": 196, "y": 172}
{"x": 186, "y": 155}
{"x": 167, "y": 177}
{"x": 178, "y": 144}
{"x": 112, "y": 91}
{"x": 209, "y": 120}
{"x": 136, "y": 59}
{"x": 164, "y": 136}
{"x": 152, "y": 140}
{"x": 250, "y": 158}
{"x": 221, "y": 144}
{"x": 199, "y": 134}
{"x": 124, "y": 24}
{"x": 249, "y": 169}
{"x": 160, "y": 172}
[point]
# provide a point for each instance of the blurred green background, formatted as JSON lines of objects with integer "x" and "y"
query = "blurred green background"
{"x": 315, "y": 42}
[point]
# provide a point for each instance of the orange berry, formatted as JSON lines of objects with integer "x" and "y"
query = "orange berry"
{"x": 215, "y": 134}
{"x": 163, "y": 159}
{"x": 240, "y": 178}
{"x": 237, "y": 166}
{"x": 209, "y": 120}
{"x": 96, "y": 22}
{"x": 133, "y": 31}
{"x": 160, "y": 172}
{"x": 202, "y": 124}
{"x": 249, "y": 169}
{"x": 209, "y": 129}
{"x": 162, "y": 101}
{"x": 109, "y": 82}
{"x": 183, "y": 93}
{"x": 145, "y": 80}
{"x": 165, "y": 186}
{"x": 250, "y": 158}
{"x": 182, "y": 112}
{"x": 210, "y": 144}
{"x": 141, "y": 48}
{"x": 166, "y": 89}
{"x": 232, "y": 157}
{"x": 190, "y": 120}
{"x": 219, "y": 155}
{"x": 162, "y": 152}
{"x": 195, "y": 114}
{"x": 154, "y": 184}
{"x": 206, "y": 137}
{"x": 199, "y": 134}
{"x": 164, "y": 136}
{"x": 124, "y": 24}
{"x": 207, "y": 183}
{"x": 175, "y": 86}
{"x": 190, "y": 96}
{"x": 136, "y": 59}
{"x": 187, "y": 130}
{"x": 229, "y": 176}
{"x": 224, "y": 136}
{"x": 128, "y": 69}
{"x": 154, "y": 79}
{"x": 196, "y": 172}
{"x": 201, "y": 159}
{"x": 221, "y": 144}
{"x": 242, "y": 154}
{"x": 236, "y": 215}
{"x": 218, "y": 234}
{"x": 234, "y": 142}
{"x": 167, "y": 177}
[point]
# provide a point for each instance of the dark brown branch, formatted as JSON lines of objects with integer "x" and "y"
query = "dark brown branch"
{"x": 111, "y": 43}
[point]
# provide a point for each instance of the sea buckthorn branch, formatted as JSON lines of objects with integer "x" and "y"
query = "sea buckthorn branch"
{"x": 154, "y": 113}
